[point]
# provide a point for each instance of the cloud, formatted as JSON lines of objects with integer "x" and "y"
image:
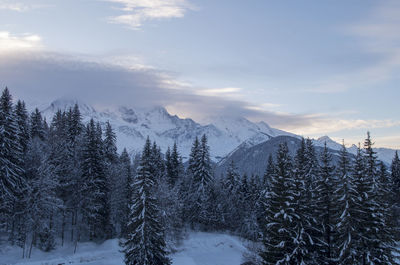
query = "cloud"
{"x": 224, "y": 92}
{"x": 378, "y": 40}
{"x": 323, "y": 124}
{"x": 23, "y": 42}
{"x": 136, "y": 12}
{"x": 379, "y": 37}
{"x": 17, "y": 7}
{"x": 14, "y": 6}
{"x": 42, "y": 77}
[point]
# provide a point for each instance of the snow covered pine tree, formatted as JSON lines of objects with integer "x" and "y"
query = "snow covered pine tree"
{"x": 145, "y": 244}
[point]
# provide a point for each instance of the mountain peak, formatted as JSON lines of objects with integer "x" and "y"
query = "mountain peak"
{"x": 325, "y": 138}
{"x": 67, "y": 103}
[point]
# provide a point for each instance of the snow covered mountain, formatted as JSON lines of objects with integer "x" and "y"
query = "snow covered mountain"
{"x": 384, "y": 154}
{"x": 132, "y": 126}
{"x": 225, "y": 134}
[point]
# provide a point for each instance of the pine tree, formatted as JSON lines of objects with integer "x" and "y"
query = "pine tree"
{"x": 395, "y": 179}
{"x": 250, "y": 227}
{"x": 158, "y": 169}
{"x": 204, "y": 175}
{"x": 389, "y": 235}
{"x": 173, "y": 165}
{"x": 374, "y": 215}
{"x": 145, "y": 242}
{"x": 11, "y": 158}
{"x": 94, "y": 189}
{"x": 199, "y": 170}
{"x": 168, "y": 166}
{"x": 17, "y": 234}
{"x": 230, "y": 201}
{"x": 61, "y": 160}
{"x": 115, "y": 180}
{"x": 266, "y": 188}
{"x": 41, "y": 199}
{"x": 326, "y": 207}
{"x": 75, "y": 127}
{"x": 311, "y": 169}
{"x": 232, "y": 177}
{"x": 380, "y": 237}
{"x": 22, "y": 123}
{"x": 126, "y": 172}
{"x": 37, "y": 125}
{"x": 303, "y": 242}
{"x": 395, "y": 172}
{"x": 347, "y": 235}
{"x": 110, "y": 144}
{"x": 268, "y": 171}
{"x": 279, "y": 226}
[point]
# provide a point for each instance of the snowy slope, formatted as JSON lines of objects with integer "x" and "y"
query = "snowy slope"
{"x": 384, "y": 154}
{"x": 225, "y": 134}
{"x": 134, "y": 125}
{"x": 198, "y": 249}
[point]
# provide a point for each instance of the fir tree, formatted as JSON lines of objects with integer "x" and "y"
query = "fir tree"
{"x": 126, "y": 172}
{"x": 36, "y": 125}
{"x": 268, "y": 171}
{"x": 145, "y": 241}
{"x": 232, "y": 177}
{"x": 41, "y": 199}
{"x": 326, "y": 207}
{"x": 231, "y": 201}
{"x": 347, "y": 234}
{"x": 395, "y": 172}
{"x": 110, "y": 144}
{"x": 380, "y": 238}
{"x": 158, "y": 169}
{"x": 311, "y": 169}
{"x": 94, "y": 189}
{"x": 199, "y": 170}
{"x": 374, "y": 216}
{"x": 173, "y": 165}
{"x": 395, "y": 178}
{"x": 303, "y": 242}
{"x": 22, "y": 123}
{"x": 11, "y": 173}
{"x": 279, "y": 226}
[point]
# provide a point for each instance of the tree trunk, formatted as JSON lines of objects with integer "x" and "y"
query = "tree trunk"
{"x": 63, "y": 228}
{"x": 30, "y": 248}
{"x": 77, "y": 239}
{"x": 72, "y": 225}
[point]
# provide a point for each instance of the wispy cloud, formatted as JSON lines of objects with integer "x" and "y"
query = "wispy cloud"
{"x": 12, "y": 6}
{"x": 224, "y": 91}
{"x": 11, "y": 42}
{"x": 319, "y": 125}
{"x": 46, "y": 76}
{"x": 15, "y": 6}
{"x": 377, "y": 37}
{"x": 136, "y": 12}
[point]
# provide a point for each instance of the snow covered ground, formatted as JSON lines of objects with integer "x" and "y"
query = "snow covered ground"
{"x": 198, "y": 249}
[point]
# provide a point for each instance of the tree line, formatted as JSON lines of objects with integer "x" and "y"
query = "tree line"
{"x": 65, "y": 181}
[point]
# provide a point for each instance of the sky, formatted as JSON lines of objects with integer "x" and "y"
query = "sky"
{"x": 310, "y": 67}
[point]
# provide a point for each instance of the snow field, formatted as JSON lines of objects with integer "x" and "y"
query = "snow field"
{"x": 199, "y": 248}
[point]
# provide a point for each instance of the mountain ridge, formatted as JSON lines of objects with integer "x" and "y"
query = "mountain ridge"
{"x": 225, "y": 134}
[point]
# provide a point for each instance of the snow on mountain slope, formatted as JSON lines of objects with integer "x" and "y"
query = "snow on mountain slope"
{"x": 331, "y": 144}
{"x": 132, "y": 126}
{"x": 384, "y": 154}
{"x": 198, "y": 249}
{"x": 225, "y": 134}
